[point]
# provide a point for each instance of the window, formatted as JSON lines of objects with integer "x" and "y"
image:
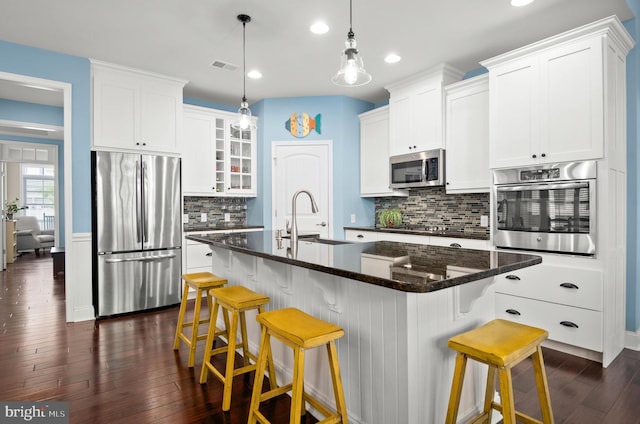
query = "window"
{"x": 38, "y": 187}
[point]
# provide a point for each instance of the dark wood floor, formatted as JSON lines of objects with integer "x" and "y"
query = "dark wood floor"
{"x": 124, "y": 370}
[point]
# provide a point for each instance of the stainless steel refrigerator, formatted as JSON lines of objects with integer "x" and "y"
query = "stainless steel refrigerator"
{"x": 137, "y": 232}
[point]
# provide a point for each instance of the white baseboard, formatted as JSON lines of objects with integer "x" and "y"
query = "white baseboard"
{"x": 632, "y": 340}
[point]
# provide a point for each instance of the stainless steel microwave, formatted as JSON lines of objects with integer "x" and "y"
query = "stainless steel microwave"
{"x": 419, "y": 169}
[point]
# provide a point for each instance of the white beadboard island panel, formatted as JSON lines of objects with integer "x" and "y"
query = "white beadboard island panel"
{"x": 395, "y": 363}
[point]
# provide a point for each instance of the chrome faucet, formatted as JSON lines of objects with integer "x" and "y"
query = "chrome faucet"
{"x": 294, "y": 223}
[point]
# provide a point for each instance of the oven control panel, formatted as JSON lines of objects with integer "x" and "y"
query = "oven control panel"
{"x": 540, "y": 174}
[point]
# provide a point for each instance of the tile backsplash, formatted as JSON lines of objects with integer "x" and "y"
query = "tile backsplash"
{"x": 215, "y": 208}
{"x": 433, "y": 207}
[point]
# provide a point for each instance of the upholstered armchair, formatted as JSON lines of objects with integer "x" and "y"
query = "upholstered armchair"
{"x": 31, "y": 237}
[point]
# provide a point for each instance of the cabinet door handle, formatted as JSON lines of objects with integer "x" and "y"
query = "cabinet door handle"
{"x": 512, "y": 312}
{"x": 209, "y": 254}
{"x": 360, "y": 236}
{"x": 544, "y": 155}
{"x": 322, "y": 224}
{"x": 534, "y": 156}
{"x": 512, "y": 277}
{"x": 569, "y": 286}
{"x": 569, "y": 324}
{"x": 455, "y": 245}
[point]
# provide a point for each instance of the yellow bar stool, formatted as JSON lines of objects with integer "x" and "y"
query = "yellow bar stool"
{"x": 500, "y": 344}
{"x": 235, "y": 300}
{"x": 200, "y": 282}
{"x": 300, "y": 332}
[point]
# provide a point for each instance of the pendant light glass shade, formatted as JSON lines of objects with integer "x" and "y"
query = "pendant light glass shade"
{"x": 351, "y": 72}
{"x": 243, "y": 120}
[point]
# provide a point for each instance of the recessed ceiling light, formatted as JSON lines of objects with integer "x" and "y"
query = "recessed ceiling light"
{"x": 254, "y": 74}
{"x": 392, "y": 58}
{"x": 520, "y": 3}
{"x": 319, "y": 28}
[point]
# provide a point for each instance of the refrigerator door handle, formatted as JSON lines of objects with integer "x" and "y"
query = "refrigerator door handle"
{"x": 138, "y": 204}
{"x": 145, "y": 212}
{"x": 141, "y": 259}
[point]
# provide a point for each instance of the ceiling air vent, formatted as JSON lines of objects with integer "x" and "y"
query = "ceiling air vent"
{"x": 224, "y": 65}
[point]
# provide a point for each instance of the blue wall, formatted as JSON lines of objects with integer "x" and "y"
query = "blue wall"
{"x": 24, "y": 60}
{"x": 30, "y": 112}
{"x": 340, "y": 124}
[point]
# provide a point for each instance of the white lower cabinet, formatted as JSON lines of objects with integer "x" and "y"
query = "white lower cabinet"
{"x": 565, "y": 301}
{"x": 567, "y": 324}
{"x": 465, "y": 243}
{"x": 360, "y": 236}
{"x": 198, "y": 257}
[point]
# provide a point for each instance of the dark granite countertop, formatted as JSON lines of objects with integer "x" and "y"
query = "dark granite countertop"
{"x": 411, "y": 267}
{"x": 209, "y": 227}
{"x": 428, "y": 231}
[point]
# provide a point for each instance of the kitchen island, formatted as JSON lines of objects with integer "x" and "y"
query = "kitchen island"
{"x": 398, "y": 303}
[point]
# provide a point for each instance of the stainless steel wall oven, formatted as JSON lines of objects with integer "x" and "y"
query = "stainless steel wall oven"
{"x": 549, "y": 208}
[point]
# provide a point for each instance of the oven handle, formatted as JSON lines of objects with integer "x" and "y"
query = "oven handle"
{"x": 538, "y": 186}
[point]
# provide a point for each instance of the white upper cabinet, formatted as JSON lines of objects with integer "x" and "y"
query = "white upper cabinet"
{"x": 198, "y": 152}
{"x": 374, "y": 154}
{"x": 467, "y": 136}
{"x": 548, "y": 100}
{"x": 416, "y": 110}
{"x": 135, "y": 110}
{"x": 216, "y": 159}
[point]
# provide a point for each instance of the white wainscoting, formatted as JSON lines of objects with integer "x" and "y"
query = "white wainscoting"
{"x": 395, "y": 363}
{"x": 78, "y": 279}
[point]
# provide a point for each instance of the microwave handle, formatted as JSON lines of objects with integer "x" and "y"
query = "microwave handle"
{"x": 538, "y": 186}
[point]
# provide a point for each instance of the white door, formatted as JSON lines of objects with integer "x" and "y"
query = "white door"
{"x": 302, "y": 166}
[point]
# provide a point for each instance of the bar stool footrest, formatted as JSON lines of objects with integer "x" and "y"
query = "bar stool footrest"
{"x": 275, "y": 392}
{"x": 521, "y": 417}
{"x": 331, "y": 416}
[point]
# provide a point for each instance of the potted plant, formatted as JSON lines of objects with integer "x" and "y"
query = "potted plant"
{"x": 390, "y": 217}
{"x": 11, "y": 208}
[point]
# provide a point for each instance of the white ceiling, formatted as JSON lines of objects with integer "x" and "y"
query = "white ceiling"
{"x": 182, "y": 38}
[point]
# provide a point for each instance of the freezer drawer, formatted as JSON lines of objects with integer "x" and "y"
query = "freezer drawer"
{"x": 129, "y": 282}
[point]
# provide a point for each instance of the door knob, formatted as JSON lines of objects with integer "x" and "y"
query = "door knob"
{"x": 322, "y": 224}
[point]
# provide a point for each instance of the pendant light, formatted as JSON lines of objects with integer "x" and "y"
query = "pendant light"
{"x": 351, "y": 72}
{"x": 243, "y": 122}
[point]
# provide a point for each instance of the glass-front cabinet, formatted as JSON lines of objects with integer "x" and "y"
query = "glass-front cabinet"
{"x": 241, "y": 154}
{"x": 217, "y": 160}
{"x": 221, "y": 156}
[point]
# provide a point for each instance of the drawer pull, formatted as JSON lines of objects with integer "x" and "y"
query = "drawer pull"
{"x": 569, "y": 286}
{"x": 569, "y": 324}
{"x": 455, "y": 245}
{"x": 209, "y": 254}
{"x": 512, "y": 277}
{"x": 360, "y": 236}
{"x": 512, "y": 312}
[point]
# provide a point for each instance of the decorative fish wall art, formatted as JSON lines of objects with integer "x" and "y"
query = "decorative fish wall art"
{"x": 301, "y": 124}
